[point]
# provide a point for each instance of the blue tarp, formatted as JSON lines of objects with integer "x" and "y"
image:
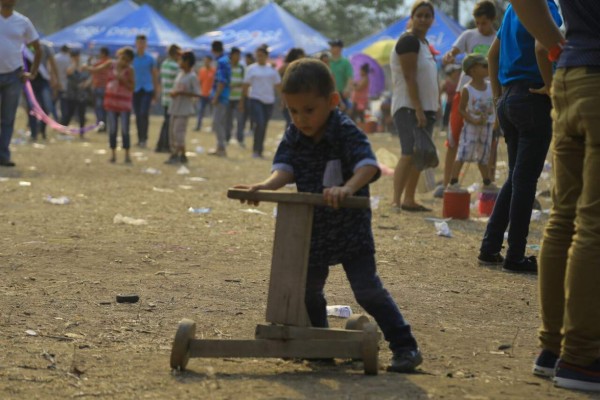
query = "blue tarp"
{"x": 79, "y": 33}
{"x": 441, "y": 35}
{"x": 270, "y": 25}
{"x": 160, "y": 32}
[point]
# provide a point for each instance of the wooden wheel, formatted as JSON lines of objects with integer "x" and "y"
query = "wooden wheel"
{"x": 370, "y": 349}
{"x": 357, "y": 322}
{"x": 179, "y": 353}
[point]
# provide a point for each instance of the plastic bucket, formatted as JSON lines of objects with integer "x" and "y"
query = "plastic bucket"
{"x": 457, "y": 204}
{"x": 487, "y": 200}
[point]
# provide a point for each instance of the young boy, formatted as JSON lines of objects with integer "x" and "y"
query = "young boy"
{"x": 477, "y": 109}
{"x": 185, "y": 88}
{"x": 324, "y": 152}
{"x": 477, "y": 40}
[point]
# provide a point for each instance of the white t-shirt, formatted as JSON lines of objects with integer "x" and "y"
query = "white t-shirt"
{"x": 262, "y": 80}
{"x": 62, "y": 61}
{"x": 427, "y": 81}
{"x": 471, "y": 41}
{"x": 15, "y": 31}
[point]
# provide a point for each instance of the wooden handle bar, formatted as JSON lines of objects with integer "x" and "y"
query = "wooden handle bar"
{"x": 296, "y": 198}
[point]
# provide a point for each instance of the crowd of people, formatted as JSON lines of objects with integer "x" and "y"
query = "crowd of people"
{"x": 507, "y": 86}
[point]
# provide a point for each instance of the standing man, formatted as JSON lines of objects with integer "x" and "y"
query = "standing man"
{"x": 220, "y": 97}
{"x": 63, "y": 62}
{"x": 524, "y": 114}
{"x": 16, "y": 30}
{"x": 168, "y": 72}
{"x": 146, "y": 88}
{"x": 342, "y": 72}
{"x": 235, "y": 97}
{"x": 569, "y": 278}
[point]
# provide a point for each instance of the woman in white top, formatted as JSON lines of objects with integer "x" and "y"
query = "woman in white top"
{"x": 260, "y": 84}
{"x": 415, "y": 99}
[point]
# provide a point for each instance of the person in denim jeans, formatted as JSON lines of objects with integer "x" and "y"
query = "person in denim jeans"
{"x": 524, "y": 114}
{"x": 100, "y": 71}
{"x": 16, "y": 30}
{"x": 146, "y": 90}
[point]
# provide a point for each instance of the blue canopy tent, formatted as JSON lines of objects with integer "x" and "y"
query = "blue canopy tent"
{"x": 271, "y": 25}
{"x": 159, "y": 31}
{"x": 77, "y": 35}
{"x": 441, "y": 35}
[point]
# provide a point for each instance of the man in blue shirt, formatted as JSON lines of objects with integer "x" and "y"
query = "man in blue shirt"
{"x": 569, "y": 276}
{"x": 523, "y": 111}
{"x": 220, "y": 97}
{"x": 146, "y": 88}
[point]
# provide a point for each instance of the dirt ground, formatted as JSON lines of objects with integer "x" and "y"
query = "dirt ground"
{"x": 62, "y": 334}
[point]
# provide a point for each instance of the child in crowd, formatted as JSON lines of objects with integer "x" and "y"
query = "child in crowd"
{"x": 449, "y": 86}
{"x": 477, "y": 40}
{"x": 324, "y": 152}
{"x": 360, "y": 96}
{"x": 118, "y": 100}
{"x": 206, "y": 77}
{"x": 185, "y": 89}
{"x": 477, "y": 109}
{"x": 78, "y": 91}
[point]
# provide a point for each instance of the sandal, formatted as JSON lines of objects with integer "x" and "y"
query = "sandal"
{"x": 417, "y": 208}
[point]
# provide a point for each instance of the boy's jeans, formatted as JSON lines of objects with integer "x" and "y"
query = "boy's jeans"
{"x": 99, "y": 105}
{"x": 569, "y": 278}
{"x": 142, "y": 100}
{"x": 369, "y": 293}
{"x": 113, "y": 118}
{"x": 232, "y": 109}
{"x": 525, "y": 119}
{"x": 10, "y": 90}
{"x": 43, "y": 95}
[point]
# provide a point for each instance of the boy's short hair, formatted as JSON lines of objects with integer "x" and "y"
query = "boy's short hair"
{"x": 104, "y": 51}
{"x": 235, "y": 50}
{"x": 308, "y": 75}
{"x": 264, "y": 48}
{"x": 64, "y": 48}
{"x": 140, "y": 37}
{"x": 485, "y": 8}
{"x": 173, "y": 50}
{"x": 189, "y": 57}
{"x": 128, "y": 52}
{"x": 217, "y": 46}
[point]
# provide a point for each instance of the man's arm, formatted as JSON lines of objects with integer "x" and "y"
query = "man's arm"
{"x": 156, "y": 82}
{"x": 535, "y": 16}
{"x": 545, "y": 67}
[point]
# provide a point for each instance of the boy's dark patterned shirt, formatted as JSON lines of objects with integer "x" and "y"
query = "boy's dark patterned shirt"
{"x": 336, "y": 234}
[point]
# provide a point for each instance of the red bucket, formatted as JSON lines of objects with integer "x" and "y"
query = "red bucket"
{"x": 487, "y": 200}
{"x": 457, "y": 204}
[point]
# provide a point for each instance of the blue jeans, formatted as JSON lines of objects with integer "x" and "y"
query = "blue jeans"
{"x": 525, "y": 120}
{"x": 232, "y": 110}
{"x": 261, "y": 114}
{"x": 204, "y": 103}
{"x": 10, "y": 90}
{"x": 142, "y": 100}
{"x": 99, "y": 105}
{"x": 43, "y": 95}
{"x": 113, "y": 118}
{"x": 369, "y": 293}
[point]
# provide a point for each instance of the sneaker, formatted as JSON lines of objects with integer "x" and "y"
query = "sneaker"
{"x": 256, "y": 155}
{"x": 217, "y": 152}
{"x": 528, "y": 265}
{"x": 438, "y": 193}
{"x": 571, "y": 376}
{"x": 127, "y": 160}
{"x": 545, "y": 364}
{"x": 405, "y": 361}
{"x": 490, "y": 259}
{"x": 6, "y": 163}
{"x": 112, "y": 160}
{"x": 183, "y": 159}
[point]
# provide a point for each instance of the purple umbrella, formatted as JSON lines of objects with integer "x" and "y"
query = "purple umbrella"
{"x": 376, "y": 74}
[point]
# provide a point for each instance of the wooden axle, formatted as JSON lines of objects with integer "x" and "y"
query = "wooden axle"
{"x": 312, "y": 199}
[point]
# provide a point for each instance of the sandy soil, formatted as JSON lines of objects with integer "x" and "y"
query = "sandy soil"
{"x": 63, "y": 265}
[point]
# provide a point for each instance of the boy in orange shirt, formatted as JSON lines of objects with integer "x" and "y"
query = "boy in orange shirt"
{"x": 206, "y": 77}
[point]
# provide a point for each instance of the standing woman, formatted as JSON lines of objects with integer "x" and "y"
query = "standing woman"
{"x": 260, "y": 84}
{"x": 415, "y": 99}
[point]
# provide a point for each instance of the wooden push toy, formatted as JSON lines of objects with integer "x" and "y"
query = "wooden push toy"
{"x": 289, "y": 334}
